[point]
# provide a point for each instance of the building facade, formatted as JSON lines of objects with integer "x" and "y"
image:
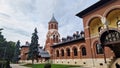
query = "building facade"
{"x": 101, "y": 22}
{"x": 24, "y": 51}
{"x": 98, "y": 45}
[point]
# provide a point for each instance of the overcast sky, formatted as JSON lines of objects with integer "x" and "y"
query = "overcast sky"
{"x": 20, "y": 17}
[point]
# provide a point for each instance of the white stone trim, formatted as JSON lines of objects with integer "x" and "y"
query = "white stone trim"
{"x": 87, "y": 38}
{"x": 86, "y": 27}
{"x": 88, "y": 62}
{"x": 94, "y": 36}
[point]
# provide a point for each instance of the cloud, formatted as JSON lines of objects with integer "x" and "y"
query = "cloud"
{"x": 18, "y": 31}
{"x": 20, "y": 17}
{"x": 4, "y": 15}
{"x": 65, "y": 12}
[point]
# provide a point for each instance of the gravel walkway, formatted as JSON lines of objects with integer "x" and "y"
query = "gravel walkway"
{"x": 17, "y": 66}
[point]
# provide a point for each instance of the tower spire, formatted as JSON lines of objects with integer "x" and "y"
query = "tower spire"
{"x": 53, "y": 19}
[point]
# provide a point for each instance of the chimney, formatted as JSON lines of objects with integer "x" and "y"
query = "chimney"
{"x": 77, "y": 32}
{"x": 27, "y": 43}
{"x": 63, "y": 39}
{"x": 74, "y": 35}
{"x": 82, "y": 34}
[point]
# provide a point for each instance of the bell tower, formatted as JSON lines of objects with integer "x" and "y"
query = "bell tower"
{"x": 52, "y": 36}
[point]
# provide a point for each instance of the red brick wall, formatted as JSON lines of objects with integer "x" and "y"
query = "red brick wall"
{"x": 24, "y": 51}
{"x": 78, "y": 45}
{"x": 102, "y": 11}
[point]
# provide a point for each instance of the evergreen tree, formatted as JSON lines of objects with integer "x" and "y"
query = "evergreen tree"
{"x": 10, "y": 50}
{"x": 17, "y": 52}
{"x": 6, "y": 50}
{"x": 2, "y": 49}
{"x": 33, "y": 49}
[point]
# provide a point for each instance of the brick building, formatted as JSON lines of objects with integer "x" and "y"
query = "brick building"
{"x": 97, "y": 46}
{"x": 24, "y": 51}
{"x": 42, "y": 56}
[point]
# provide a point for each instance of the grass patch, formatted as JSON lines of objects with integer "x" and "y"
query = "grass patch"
{"x": 52, "y": 65}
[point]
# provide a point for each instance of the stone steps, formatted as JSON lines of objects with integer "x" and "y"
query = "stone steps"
{"x": 116, "y": 61}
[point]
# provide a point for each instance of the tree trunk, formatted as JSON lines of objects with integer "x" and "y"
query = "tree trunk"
{"x": 37, "y": 59}
{"x": 33, "y": 61}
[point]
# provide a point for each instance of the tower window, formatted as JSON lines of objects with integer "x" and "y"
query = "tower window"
{"x": 55, "y": 27}
{"x": 57, "y": 39}
{"x": 51, "y": 26}
{"x": 54, "y": 38}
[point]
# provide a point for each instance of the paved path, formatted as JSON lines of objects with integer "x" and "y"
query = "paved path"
{"x": 17, "y": 66}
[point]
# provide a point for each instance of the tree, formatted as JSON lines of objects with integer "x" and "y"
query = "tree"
{"x": 3, "y": 43}
{"x": 6, "y": 50}
{"x": 33, "y": 49}
{"x": 10, "y": 48}
{"x": 17, "y": 52}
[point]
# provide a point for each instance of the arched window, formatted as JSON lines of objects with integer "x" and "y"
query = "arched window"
{"x": 57, "y": 39}
{"x": 68, "y": 52}
{"x": 55, "y": 26}
{"x": 75, "y": 52}
{"x": 57, "y": 52}
{"x": 52, "y": 26}
{"x": 62, "y": 52}
{"x": 54, "y": 38}
{"x": 83, "y": 51}
{"x": 99, "y": 49}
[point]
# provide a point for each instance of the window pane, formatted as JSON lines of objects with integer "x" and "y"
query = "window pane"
{"x": 75, "y": 51}
{"x": 62, "y": 51}
{"x": 68, "y": 52}
{"x": 57, "y": 53}
{"x": 83, "y": 51}
{"x": 99, "y": 49}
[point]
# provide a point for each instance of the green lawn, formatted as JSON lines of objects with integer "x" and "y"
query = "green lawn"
{"x": 52, "y": 66}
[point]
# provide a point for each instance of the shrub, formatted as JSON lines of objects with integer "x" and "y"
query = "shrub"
{"x": 2, "y": 64}
{"x": 8, "y": 64}
{"x": 48, "y": 65}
